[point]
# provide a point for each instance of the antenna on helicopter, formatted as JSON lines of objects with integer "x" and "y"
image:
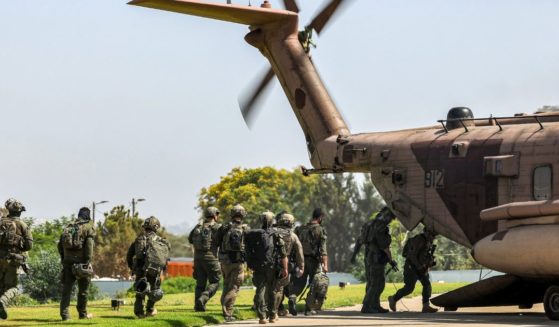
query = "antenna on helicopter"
{"x": 249, "y": 103}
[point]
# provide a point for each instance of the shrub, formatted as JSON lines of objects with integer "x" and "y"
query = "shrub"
{"x": 176, "y": 285}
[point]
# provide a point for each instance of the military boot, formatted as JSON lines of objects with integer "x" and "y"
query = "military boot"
{"x": 200, "y": 305}
{"x": 86, "y": 316}
{"x": 392, "y": 303}
{"x": 3, "y": 312}
{"x": 428, "y": 309}
{"x": 291, "y": 306}
{"x": 151, "y": 313}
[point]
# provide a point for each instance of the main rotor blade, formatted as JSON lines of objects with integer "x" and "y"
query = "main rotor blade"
{"x": 249, "y": 104}
{"x": 320, "y": 21}
{"x": 291, "y": 5}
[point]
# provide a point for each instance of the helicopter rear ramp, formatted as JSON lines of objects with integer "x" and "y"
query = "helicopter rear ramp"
{"x": 495, "y": 291}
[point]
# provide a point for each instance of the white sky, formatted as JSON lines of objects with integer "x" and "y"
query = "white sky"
{"x": 104, "y": 101}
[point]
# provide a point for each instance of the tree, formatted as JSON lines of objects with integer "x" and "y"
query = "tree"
{"x": 113, "y": 238}
{"x": 261, "y": 189}
{"x": 180, "y": 247}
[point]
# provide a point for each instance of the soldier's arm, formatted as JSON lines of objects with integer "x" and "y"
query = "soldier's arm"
{"x": 88, "y": 249}
{"x": 60, "y": 248}
{"x": 323, "y": 250}
{"x": 130, "y": 255}
{"x": 356, "y": 250}
{"x": 415, "y": 253}
{"x": 27, "y": 238}
{"x": 299, "y": 255}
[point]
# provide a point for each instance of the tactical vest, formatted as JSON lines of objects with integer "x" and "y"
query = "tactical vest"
{"x": 72, "y": 237}
{"x": 285, "y": 235}
{"x": 233, "y": 243}
{"x": 10, "y": 238}
{"x": 309, "y": 235}
{"x": 151, "y": 254}
{"x": 202, "y": 237}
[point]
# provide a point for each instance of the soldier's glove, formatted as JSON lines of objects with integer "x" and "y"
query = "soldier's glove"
{"x": 298, "y": 272}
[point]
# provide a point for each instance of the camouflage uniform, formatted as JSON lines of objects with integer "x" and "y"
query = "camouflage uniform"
{"x": 266, "y": 279}
{"x": 378, "y": 241}
{"x": 419, "y": 258}
{"x": 135, "y": 259}
{"x": 207, "y": 270}
{"x": 232, "y": 262}
{"x": 15, "y": 240}
{"x": 313, "y": 239}
{"x": 82, "y": 254}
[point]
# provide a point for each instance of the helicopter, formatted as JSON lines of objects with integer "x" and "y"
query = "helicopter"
{"x": 486, "y": 183}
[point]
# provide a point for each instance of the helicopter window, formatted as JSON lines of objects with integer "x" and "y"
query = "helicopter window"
{"x": 542, "y": 182}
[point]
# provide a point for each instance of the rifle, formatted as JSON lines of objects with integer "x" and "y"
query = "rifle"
{"x": 393, "y": 267}
{"x": 22, "y": 260}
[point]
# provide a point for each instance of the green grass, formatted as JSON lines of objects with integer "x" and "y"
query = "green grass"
{"x": 176, "y": 309}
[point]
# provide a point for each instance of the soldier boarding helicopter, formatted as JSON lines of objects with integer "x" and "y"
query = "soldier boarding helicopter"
{"x": 486, "y": 183}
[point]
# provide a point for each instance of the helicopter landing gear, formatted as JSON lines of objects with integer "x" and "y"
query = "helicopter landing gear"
{"x": 551, "y": 302}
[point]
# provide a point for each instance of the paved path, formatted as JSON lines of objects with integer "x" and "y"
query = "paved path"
{"x": 351, "y": 316}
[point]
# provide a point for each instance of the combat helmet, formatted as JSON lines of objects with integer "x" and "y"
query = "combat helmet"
{"x": 211, "y": 212}
{"x": 151, "y": 223}
{"x": 14, "y": 206}
{"x": 142, "y": 286}
{"x": 285, "y": 219}
{"x": 238, "y": 211}
{"x": 266, "y": 218}
{"x": 155, "y": 295}
{"x": 429, "y": 233}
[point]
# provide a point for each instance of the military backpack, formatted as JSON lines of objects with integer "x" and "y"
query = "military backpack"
{"x": 259, "y": 249}
{"x": 202, "y": 237}
{"x": 318, "y": 291}
{"x": 8, "y": 233}
{"x": 72, "y": 237}
{"x": 156, "y": 255}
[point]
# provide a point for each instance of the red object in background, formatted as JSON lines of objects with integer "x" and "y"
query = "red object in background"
{"x": 179, "y": 268}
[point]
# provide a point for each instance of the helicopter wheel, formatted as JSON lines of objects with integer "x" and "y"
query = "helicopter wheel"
{"x": 551, "y": 302}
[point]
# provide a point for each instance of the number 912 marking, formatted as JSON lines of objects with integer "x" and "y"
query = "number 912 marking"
{"x": 434, "y": 178}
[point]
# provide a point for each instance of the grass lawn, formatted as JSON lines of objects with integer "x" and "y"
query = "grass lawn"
{"x": 176, "y": 309}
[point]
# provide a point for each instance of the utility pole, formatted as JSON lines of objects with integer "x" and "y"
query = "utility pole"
{"x": 93, "y": 205}
{"x": 134, "y": 202}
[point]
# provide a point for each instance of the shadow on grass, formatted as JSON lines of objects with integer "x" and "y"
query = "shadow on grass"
{"x": 42, "y": 321}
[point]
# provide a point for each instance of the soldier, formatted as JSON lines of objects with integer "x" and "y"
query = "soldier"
{"x": 230, "y": 238}
{"x": 313, "y": 239}
{"x": 377, "y": 239}
{"x": 207, "y": 271}
{"x": 294, "y": 250}
{"x": 267, "y": 257}
{"x": 76, "y": 252}
{"x": 362, "y": 240}
{"x": 15, "y": 240}
{"x": 418, "y": 252}
{"x": 147, "y": 257}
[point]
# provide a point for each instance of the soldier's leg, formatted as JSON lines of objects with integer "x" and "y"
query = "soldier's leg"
{"x": 367, "y": 305}
{"x": 377, "y": 286}
{"x": 154, "y": 284}
{"x": 83, "y": 292}
{"x": 139, "y": 302}
{"x": 426, "y": 283}
{"x": 314, "y": 269}
{"x": 9, "y": 288}
{"x": 67, "y": 279}
{"x": 410, "y": 279}
{"x": 214, "y": 275}
{"x": 236, "y": 278}
{"x": 274, "y": 293}
{"x": 259, "y": 281}
{"x": 201, "y": 281}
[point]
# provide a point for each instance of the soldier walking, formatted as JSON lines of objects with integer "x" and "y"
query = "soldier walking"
{"x": 377, "y": 238}
{"x": 147, "y": 257}
{"x": 76, "y": 252}
{"x": 207, "y": 270}
{"x": 418, "y": 252}
{"x": 231, "y": 256}
{"x": 313, "y": 238}
{"x": 15, "y": 240}
{"x": 266, "y": 255}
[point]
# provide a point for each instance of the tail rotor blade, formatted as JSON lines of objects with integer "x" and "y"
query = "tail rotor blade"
{"x": 249, "y": 103}
{"x": 291, "y": 5}
{"x": 322, "y": 19}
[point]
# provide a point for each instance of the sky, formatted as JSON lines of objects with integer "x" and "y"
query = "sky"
{"x": 100, "y": 100}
